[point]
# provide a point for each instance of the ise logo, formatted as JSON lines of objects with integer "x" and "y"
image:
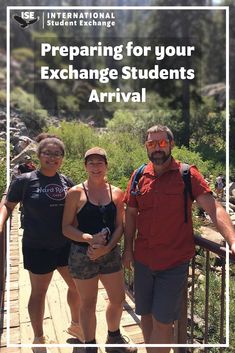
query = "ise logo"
{"x": 26, "y": 19}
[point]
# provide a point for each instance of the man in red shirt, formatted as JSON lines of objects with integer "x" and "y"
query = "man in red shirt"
{"x": 164, "y": 243}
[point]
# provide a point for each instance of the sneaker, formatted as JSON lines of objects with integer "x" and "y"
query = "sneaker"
{"x": 41, "y": 340}
{"x": 75, "y": 330}
{"x": 119, "y": 340}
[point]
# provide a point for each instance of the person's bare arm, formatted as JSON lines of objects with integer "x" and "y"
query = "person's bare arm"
{"x": 219, "y": 217}
{"x": 72, "y": 205}
{"x": 5, "y": 212}
{"x": 129, "y": 236}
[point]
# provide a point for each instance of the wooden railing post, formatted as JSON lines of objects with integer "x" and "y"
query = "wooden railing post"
{"x": 2, "y": 258}
{"x": 2, "y": 266}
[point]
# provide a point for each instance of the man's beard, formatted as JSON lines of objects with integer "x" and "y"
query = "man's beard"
{"x": 159, "y": 157}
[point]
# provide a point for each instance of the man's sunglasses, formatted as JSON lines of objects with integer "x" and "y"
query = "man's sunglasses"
{"x": 153, "y": 143}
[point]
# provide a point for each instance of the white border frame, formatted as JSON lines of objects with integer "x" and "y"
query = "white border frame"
{"x": 110, "y": 8}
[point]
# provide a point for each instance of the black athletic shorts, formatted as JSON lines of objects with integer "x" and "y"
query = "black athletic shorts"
{"x": 42, "y": 261}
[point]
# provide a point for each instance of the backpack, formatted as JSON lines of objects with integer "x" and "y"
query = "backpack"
{"x": 186, "y": 176}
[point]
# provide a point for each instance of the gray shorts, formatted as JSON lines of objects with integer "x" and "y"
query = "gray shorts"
{"x": 81, "y": 267}
{"x": 160, "y": 292}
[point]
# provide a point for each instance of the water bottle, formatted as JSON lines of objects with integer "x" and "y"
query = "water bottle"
{"x": 106, "y": 231}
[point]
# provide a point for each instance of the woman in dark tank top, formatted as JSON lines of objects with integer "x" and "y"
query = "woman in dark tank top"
{"x": 102, "y": 216}
{"x": 98, "y": 210}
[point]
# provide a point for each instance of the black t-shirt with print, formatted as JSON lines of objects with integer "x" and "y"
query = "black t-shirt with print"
{"x": 43, "y": 200}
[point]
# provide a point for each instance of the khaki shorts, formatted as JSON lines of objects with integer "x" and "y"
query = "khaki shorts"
{"x": 81, "y": 267}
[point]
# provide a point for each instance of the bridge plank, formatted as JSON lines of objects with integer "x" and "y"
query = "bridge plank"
{"x": 57, "y": 314}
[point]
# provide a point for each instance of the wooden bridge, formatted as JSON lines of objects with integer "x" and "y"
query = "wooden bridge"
{"x": 57, "y": 316}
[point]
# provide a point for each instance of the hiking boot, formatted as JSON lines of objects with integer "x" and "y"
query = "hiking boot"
{"x": 91, "y": 349}
{"x": 119, "y": 340}
{"x": 75, "y": 330}
{"x": 41, "y": 340}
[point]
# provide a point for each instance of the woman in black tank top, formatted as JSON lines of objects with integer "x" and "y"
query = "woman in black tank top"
{"x": 93, "y": 220}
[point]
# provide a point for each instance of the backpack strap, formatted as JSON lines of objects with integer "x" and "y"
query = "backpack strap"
{"x": 134, "y": 190}
{"x": 185, "y": 173}
{"x": 186, "y": 176}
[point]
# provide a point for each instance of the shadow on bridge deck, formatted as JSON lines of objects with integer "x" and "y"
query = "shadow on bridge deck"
{"x": 57, "y": 317}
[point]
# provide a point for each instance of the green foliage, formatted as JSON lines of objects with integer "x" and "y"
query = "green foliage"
{"x": 68, "y": 104}
{"x": 2, "y": 177}
{"x": 22, "y": 54}
{"x": 232, "y": 139}
{"x": 197, "y": 221}
{"x": 207, "y": 127}
{"x": 44, "y": 36}
{"x": 77, "y": 137}
{"x": 122, "y": 121}
{"x": 137, "y": 122}
{"x": 231, "y": 312}
{"x": 154, "y": 101}
{"x": 2, "y": 149}
{"x": 125, "y": 153}
{"x": 32, "y": 113}
{"x": 24, "y": 101}
{"x": 125, "y": 150}
{"x": 214, "y": 305}
{"x": 2, "y": 73}
{"x": 74, "y": 169}
{"x": 208, "y": 130}
{"x": 194, "y": 158}
{"x": 2, "y": 97}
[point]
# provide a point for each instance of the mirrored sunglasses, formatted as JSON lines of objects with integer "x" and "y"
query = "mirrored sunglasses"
{"x": 153, "y": 143}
